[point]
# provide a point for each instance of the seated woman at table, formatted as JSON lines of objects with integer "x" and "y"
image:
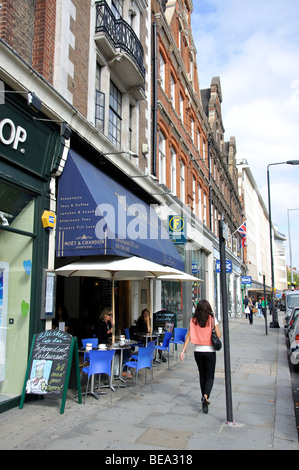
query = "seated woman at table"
{"x": 104, "y": 333}
{"x": 144, "y": 322}
{"x": 144, "y": 326}
{"x": 103, "y": 327}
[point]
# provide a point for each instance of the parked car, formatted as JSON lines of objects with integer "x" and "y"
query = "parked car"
{"x": 291, "y": 299}
{"x": 293, "y": 336}
{"x": 289, "y": 319}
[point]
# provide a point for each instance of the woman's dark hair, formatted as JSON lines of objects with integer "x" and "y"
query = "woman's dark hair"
{"x": 143, "y": 312}
{"x": 202, "y": 313}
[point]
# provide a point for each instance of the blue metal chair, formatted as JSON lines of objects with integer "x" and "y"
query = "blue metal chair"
{"x": 150, "y": 344}
{"x": 127, "y": 333}
{"x": 100, "y": 362}
{"x": 165, "y": 344}
{"x": 144, "y": 361}
{"x": 93, "y": 341}
{"x": 128, "y": 336}
{"x": 179, "y": 336}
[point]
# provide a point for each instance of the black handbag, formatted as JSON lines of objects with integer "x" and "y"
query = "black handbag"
{"x": 216, "y": 343}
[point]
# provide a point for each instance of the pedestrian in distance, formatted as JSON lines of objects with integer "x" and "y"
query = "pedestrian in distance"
{"x": 250, "y": 315}
{"x": 245, "y": 302}
{"x": 200, "y": 334}
{"x": 259, "y": 307}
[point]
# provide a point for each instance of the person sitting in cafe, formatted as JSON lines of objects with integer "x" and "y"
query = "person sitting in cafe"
{"x": 104, "y": 334}
{"x": 103, "y": 327}
{"x": 144, "y": 322}
{"x": 144, "y": 326}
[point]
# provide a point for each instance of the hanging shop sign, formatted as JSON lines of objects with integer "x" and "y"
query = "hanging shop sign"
{"x": 177, "y": 229}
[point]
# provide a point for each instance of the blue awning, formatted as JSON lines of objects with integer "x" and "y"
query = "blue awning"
{"x": 97, "y": 215}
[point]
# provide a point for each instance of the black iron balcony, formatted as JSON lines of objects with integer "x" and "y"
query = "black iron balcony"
{"x": 120, "y": 34}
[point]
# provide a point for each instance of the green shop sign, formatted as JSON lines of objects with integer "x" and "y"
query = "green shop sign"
{"x": 25, "y": 141}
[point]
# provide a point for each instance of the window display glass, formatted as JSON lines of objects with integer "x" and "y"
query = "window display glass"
{"x": 16, "y": 247}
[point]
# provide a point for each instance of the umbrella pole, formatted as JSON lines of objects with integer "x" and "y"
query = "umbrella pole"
{"x": 150, "y": 303}
{"x": 113, "y": 310}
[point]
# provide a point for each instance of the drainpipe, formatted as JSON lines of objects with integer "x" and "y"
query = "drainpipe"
{"x": 155, "y": 99}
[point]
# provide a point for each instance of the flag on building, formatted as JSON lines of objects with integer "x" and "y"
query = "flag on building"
{"x": 242, "y": 232}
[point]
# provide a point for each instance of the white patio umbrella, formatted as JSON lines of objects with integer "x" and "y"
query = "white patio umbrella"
{"x": 115, "y": 268}
{"x": 179, "y": 276}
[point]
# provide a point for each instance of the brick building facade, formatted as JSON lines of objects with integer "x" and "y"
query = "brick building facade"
{"x": 122, "y": 75}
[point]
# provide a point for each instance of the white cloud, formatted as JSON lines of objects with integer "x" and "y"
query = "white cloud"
{"x": 254, "y": 48}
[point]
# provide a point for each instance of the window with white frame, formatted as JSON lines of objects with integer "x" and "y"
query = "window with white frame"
{"x": 115, "y": 110}
{"x": 203, "y": 149}
{"x": 162, "y": 158}
{"x": 99, "y": 101}
{"x": 182, "y": 181}
{"x": 172, "y": 90}
{"x": 192, "y": 128}
{"x": 173, "y": 171}
{"x": 130, "y": 126}
{"x": 194, "y": 192}
{"x": 117, "y": 8}
{"x": 204, "y": 208}
{"x": 215, "y": 223}
{"x": 198, "y": 213}
{"x": 162, "y": 69}
{"x": 181, "y": 107}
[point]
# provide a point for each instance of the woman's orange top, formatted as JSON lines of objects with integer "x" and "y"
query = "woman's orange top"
{"x": 199, "y": 335}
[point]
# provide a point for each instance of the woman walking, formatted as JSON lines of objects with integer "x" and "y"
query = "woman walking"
{"x": 200, "y": 334}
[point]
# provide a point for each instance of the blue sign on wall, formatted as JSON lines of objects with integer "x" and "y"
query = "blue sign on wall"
{"x": 246, "y": 279}
{"x": 229, "y": 266}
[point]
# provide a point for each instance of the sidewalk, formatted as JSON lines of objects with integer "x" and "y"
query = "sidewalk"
{"x": 170, "y": 417}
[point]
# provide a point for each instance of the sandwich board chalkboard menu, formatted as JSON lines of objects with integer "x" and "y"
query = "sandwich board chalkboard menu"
{"x": 52, "y": 355}
{"x": 165, "y": 319}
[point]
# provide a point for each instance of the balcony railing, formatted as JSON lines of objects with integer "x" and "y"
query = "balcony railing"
{"x": 120, "y": 33}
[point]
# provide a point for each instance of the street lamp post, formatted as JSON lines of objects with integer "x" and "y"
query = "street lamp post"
{"x": 274, "y": 323}
{"x": 290, "y": 246}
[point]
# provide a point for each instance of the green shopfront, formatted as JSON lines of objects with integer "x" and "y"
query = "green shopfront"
{"x": 29, "y": 149}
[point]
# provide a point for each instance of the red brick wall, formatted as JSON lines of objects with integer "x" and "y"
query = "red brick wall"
{"x": 78, "y": 85}
{"x": 44, "y": 38}
{"x": 29, "y": 28}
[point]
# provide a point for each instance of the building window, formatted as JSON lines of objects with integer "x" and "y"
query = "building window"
{"x": 198, "y": 213}
{"x": 115, "y": 109}
{"x": 117, "y": 8}
{"x": 181, "y": 107}
{"x": 162, "y": 159}
{"x": 130, "y": 127}
{"x": 172, "y": 90}
{"x": 17, "y": 222}
{"x": 162, "y": 69}
{"x": 100, "y": 102}
{"x": 205, "y": 208}
{"x": 192, "y": 129}
{"x": 182, "y": 181}
{"x": 194, "y": 193}
{"x": 173, "y": 171}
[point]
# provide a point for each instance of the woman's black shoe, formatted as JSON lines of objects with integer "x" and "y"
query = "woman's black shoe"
{"x": 204, "y": 403}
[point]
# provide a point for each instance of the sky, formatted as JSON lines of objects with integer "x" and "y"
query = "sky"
{"x": 253, "y": 46}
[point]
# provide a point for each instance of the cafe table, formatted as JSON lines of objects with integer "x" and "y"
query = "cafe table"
{"x": 121, "y": 347}
{"x": 117, "y": 347}
{"x": 147, "y": 336}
